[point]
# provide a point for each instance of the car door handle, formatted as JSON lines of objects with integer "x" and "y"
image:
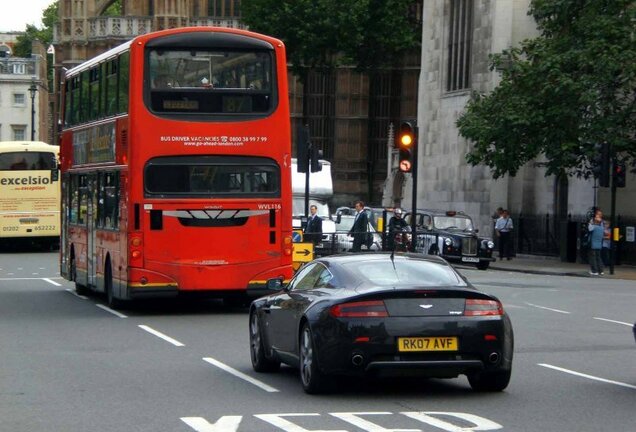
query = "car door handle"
{"x": 268, "y": 309}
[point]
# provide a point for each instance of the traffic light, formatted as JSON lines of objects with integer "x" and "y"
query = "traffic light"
{"x": 316, "y": 155}
{"x": 302, "y": 148}
{"x": 406, "y": 142}
{"x": 601, "y": 164}
{"x": 619, "y": 174}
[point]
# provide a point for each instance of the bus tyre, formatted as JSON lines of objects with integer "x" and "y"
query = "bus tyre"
{"x": 311, "y": 377}
{"x": 260, "y": 362}
{"x": 489, "y": 381}
{"x": 112, "y": 301}
{"x": 79, "y": 288}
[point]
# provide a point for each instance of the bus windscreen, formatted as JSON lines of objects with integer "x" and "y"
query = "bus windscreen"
{"x": 27, "y": 161}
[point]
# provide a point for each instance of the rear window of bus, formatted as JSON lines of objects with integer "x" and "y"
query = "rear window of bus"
{"x": 212, "y": 176}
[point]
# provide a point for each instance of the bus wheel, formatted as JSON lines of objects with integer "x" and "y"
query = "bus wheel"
{"x": 79, "y": 288}
{"x": 112, "y": 301}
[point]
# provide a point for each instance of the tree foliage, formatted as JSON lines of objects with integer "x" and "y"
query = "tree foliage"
{"x": 323, "y": 33}
{"x": 45, "y": 34}
{"x": 561, "y": 93}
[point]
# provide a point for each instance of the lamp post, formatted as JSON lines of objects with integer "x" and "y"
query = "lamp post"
{"x": 32, "y": 90}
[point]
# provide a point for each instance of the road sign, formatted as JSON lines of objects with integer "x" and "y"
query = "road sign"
{"x": 303, "y": 252}
{"x": 297, "y": 236}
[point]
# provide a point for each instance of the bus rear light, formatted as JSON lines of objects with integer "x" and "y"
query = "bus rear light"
{"x": 288, "y": 251}
{"x": 478, "y": 307}
{"x": 143, "y": 280}
{"x": 135, "y": 241}
{"x": 136, "y": 254}
{"x": 287, "y": 241}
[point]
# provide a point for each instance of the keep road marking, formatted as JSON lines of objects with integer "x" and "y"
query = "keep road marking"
{"x": 571, "y": 372}
{"x": 547, "y": 308}
{"x": 109, "y": 310}
{"x": 241, "y": 375}
{"x": 161, "y": 335}
{"x": 51, "y": 282}
{"x": 612, "y": 321}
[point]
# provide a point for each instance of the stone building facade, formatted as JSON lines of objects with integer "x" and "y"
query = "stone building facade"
{"x": 349, "y": 113}
{"x": 458, "y": 36}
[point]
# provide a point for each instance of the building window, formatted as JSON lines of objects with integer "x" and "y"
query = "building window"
{"x": 19, "y": 99}
{"x": 460, "y": 37}
{"x": 19, "y": 132}
{"x": 19, "y": 68}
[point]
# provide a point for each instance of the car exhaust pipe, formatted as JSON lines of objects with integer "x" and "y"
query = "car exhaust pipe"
{"x": 357, "y": 359}
{"x": 493, "y": 357}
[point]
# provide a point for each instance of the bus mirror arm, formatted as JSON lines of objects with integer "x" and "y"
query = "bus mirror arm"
{"x": 55, "y": 174}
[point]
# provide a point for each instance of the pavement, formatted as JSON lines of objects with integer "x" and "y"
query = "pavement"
{"x": 554, "y": 266}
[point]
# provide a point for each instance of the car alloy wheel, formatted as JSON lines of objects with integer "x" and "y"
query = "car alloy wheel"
{"x": 260, "y": 363}
{"x": 312, "y": 379}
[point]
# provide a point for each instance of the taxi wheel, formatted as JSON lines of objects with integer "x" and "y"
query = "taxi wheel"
{"x": 483, "y": 265}
{"x": 490, "y": 381}
{"x": 313, "y": 380}
{"x": 260, "y": 363}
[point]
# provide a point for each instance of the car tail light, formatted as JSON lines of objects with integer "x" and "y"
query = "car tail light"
{"x": 477, "y": 307}
{"x": 363, "y": 309}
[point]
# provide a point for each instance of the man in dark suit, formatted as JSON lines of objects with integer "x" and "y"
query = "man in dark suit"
{"x": 313, "y": 230}
{"x": 360, "y": 227}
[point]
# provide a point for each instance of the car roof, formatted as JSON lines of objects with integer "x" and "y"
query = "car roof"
{"x": 380, "y": 256}
{"x": 437, "y": 212}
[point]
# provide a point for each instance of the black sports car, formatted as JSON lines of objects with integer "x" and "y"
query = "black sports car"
{"x": 377, "y": 313}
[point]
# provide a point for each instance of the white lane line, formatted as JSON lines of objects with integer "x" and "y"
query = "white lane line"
{"x": 26, "y": 278}
{"x": 618, "y": 383}
{"x": 161, "y": 335}
{"x": 547, "y": 308}
{"x": 114, "y": 312}
{"x": 615, "y": 322}
{"x": 51, "y": 282}
{"x": 241, "y": 375}
{"x": 76, "y": 294}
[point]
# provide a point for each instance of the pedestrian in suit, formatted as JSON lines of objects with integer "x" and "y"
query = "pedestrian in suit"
{"x": 504, "y": 228}
{"x": 313, "y": 230}
{"x": 360, "y": 227}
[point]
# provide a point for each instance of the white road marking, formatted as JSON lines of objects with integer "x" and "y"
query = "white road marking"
{"x": 161, "y": 335}
{"x": 26, "y": 278}
{"x": 618, "y": 383}
{"x": 76, "y": 294}
{"x": 114, "y": 312}
{"x": 51, "y": 282}
{"x": 616, "y": 322}
{"x": 241, "y": 375}
{"x": 547, "y": 308}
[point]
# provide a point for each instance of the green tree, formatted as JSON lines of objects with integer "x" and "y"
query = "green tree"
{"x": 323, "y": 33}
{"x": 31, "y": 33}
{"x": 561, "y": 93}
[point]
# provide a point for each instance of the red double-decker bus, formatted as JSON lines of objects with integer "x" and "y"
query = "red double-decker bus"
{"x": 175, "y": 158}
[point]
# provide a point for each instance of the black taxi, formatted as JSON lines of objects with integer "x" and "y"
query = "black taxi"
{"x": 452, "y": 235}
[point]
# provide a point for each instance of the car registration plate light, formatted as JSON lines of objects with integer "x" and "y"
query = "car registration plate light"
{"x": 418, "y": 344}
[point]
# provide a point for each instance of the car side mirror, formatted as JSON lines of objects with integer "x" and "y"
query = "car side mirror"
{"x": 275, "y": 284}
{"x": 339, "y": 218}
